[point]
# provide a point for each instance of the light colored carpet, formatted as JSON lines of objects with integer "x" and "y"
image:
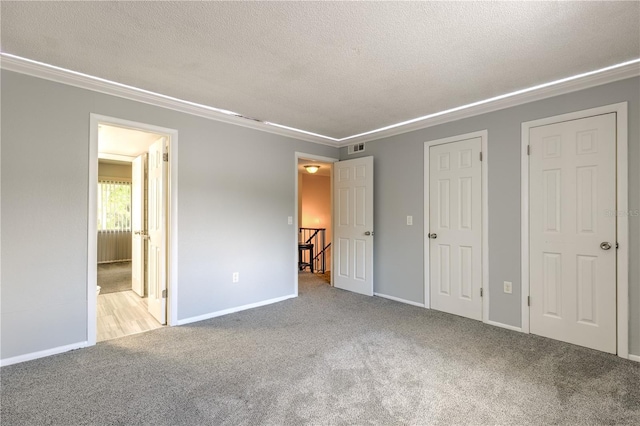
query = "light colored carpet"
{"x": 327, "y": 357}
{"x": 326, "y": 277}
{"x": 114, "y": 277}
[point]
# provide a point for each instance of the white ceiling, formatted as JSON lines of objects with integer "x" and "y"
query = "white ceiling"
{"x": 333, "y": 68}
{"x": 120, "y": 141}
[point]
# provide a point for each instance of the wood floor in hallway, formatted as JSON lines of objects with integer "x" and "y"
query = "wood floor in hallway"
{"x": 123, "y": 313}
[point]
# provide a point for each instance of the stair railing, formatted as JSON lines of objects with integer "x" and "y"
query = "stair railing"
{"x": 315, "y": 236}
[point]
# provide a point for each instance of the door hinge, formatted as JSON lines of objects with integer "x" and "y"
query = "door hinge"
{"x": 165, "y": 156}
{"x": 617, "y": 246}
{"x": 528, "y": 149}
{"x": 480, "y": 155}
{"x": 164, "y": 293}
{"x": 481, "y": 293}
{"x": 528, "y": 300}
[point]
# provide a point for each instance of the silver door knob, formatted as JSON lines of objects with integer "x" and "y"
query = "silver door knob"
{"x": 605, "y": 245}
{"x": 433, "y": 236}
{"x": 368, "y": 233}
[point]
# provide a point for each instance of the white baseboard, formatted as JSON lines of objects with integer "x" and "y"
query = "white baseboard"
{"x": 232, "y": 310}
{"x": 42, "y": 354}
{"x": 501, "y": 325}
{"x": 397, "y": 299}
{"x": 635, "y": 358}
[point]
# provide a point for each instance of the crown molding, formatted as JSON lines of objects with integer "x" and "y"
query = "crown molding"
{"x": 629, "y": 70}
{"x": 96, "y": 84}
{"x": 84, "y": 81}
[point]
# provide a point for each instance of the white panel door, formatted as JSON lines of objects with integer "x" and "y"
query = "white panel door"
{"x": 353, "y": 231}
{"x": 455, "y": 228}
{"x": 156, "y": 269}
{"x": 137, "y": 225}
{"x": 572, "y": 204}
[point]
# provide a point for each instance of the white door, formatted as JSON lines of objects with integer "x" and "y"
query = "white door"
{"x": 572, "y": 238}
{"x": 157, "y": 236}
{"x": 455, "y": 228}
{"x": 353, "y": 230}
{"x": 137, "y": 225}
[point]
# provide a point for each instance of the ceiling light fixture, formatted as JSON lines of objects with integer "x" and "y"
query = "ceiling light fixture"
{"x": 311, "y": 168}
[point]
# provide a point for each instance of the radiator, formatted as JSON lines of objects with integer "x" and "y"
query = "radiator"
{"x": 114, "y": 246}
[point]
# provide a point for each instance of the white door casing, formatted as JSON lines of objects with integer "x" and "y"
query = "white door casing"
{"x": 172, "y": 219}
{"x": 455, "y": 227}
{"x": 156, "y": 211}
{"x": 353, "y": 225}
{"x": 572, "y": 181}
{"x": 137, "y": 225}
{"x": 296, "y": 222}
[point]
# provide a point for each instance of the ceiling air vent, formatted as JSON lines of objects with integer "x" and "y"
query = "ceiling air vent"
{"x": 359, "y": 147}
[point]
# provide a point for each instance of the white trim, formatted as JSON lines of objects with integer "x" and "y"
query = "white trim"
{"x": 233, "y": 310}
{"x": 296, "y": 225}
{"x": 550, "y": 89}
{"x": 172, "y": 211}
{"x": 501, "y": 325}
{"x": 172, "y": 235}
{"x": 397, "y": 299}
{"x": 622, "y": 178}
{"x": 524, "y": 229}
{"x": 92, "y": 233}
{"x": 570, "y": 84}
{"x": 484, "y": 170}
{"x": 623, "y": 229}
{"x": 635, "y": 358}
{"x": 84, "y": 81}
{"x": 485, "y": 227}
{"x": 41, "y": 354}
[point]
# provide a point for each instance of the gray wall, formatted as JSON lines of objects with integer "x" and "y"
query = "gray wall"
{"x": 232, "y": 215}
{"x": 398, "y": 164}
{"x": 232, "y": 211}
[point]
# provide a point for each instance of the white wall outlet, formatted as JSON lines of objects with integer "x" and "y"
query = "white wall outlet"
{"x": 409, "y": 220}
{"x": 290, "y": 220}
{"x": 236, "y": 277}
{"x": 508, "y": 287}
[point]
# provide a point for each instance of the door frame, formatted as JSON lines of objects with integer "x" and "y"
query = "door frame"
{"x": 143, "y": 161}
{"x": 171, "y": 222}
{"x": 304, "y": 156}
{"x": 484, "y": 173}
{"x": 622, "y": 193}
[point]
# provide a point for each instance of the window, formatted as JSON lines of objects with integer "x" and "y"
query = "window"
{"x": 114, "y": 206}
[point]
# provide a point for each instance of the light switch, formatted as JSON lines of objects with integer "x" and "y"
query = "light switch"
{"x": 290, "y": 220}
{"x": 409, "y": 220}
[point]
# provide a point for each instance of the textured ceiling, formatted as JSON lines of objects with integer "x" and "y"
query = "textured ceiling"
{"x": 334, "y": 68}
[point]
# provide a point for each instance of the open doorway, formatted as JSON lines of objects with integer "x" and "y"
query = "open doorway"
{"x": 349, "y": 252}
{"x": 131, "y": 230}
{"x": 315, "y": 231}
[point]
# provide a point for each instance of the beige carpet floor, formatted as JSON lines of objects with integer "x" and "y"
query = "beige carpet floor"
{"x": 327, "y": 357}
